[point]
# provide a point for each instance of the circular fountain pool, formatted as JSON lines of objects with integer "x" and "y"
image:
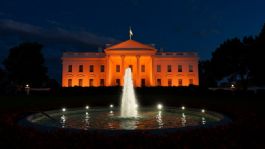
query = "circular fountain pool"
{"x": 109, "y": 119}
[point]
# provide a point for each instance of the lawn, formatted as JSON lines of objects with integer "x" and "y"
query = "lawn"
{"x": 244, "y": 108}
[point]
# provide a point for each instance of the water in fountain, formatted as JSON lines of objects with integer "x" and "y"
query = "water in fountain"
{"x": 128, "y": 102}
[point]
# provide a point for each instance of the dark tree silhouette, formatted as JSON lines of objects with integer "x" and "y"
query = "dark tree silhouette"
{"x": 239, "y": 61}
{"x": 261, "y": 36}
{"x": 206, "y": 74}
{"x": 257, "y": 58}
{"x": 25, "y": 65}
{"x": 230, "y": 60}
{"x": 2, "y": 80}
{"x": 2, "y": 74}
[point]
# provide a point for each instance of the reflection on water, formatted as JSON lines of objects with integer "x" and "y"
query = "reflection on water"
{"x": 111, "y": 113}
{"x": 110, "y": 119}
{"x": 203, "y": 120}
{"x": 62, "y": 120}
{"x": 129, "y": 124}
{"x": 159, "y": 119}
{"x": 87, "y": 117}
{"x": 110, "y": 123}
{"x": 183, "y": 120}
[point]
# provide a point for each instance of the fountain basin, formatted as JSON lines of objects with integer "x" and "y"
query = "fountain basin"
{"x": 110, "y": 119}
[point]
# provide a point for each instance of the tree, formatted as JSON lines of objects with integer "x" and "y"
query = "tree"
{"x": 240, "y": 61}
{"x": 206, "y": 75}
{"x": 230, "y": 60}
{"x": 2, "y": 80}
{"x": 2, "y": 74}
{"x": 25, "y": 65}
{"x": 224, "y": 58}
{"x": 257, "y": 58}
{"x": 261, "y": 35}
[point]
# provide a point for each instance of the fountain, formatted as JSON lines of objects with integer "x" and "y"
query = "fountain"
{"x": 128, "y": 103}
{"x": 128, "y": 117}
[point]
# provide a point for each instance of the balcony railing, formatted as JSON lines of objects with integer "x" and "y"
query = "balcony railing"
{"x": 84, "y": 54}
{"x": 176, "y": 54}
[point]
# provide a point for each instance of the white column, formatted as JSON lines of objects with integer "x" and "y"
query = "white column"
{"x": 107, "y": 71}
{"x": 138, "y": 71}
{"x": 152, "y": 72}
{"x": 122, "y": 69}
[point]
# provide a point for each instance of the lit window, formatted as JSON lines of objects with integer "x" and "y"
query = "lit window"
{"x": 118, "y": 68}
{"x": 142, "y": 68}
{"x": 180, "y": 82}
{"x": 91, "y": 81}
{"x": 70, "y": 67}
{"x": 168, "y": 68}
{"x": 191, "y": 81}
{"x": 80, "y": 68}
{"x": 102, "y": 68}
{"x": 179, "y": 68}
{"x": 158, "y": 68}
{"x": 169, "y": 82}
{"x": 158, "y": 82}
{"x": 91, "y": 68}
{"x": 190, "y": 68}
{"x": 80, "y": 82}
{"x": 118, "y": 82}
{"x": 69, "y": 82}
{"x": 142, "y": 82}
{"x": 102, "y": 82}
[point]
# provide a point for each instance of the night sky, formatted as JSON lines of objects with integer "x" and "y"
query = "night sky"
{"x": 174, "y": 25}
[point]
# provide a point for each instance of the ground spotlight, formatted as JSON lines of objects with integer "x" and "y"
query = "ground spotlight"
{"x": 63, "y": 109}
{"x": 159, "y": 106}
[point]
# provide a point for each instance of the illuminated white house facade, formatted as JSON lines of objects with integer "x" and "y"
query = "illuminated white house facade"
{"x": 149, "y": 67}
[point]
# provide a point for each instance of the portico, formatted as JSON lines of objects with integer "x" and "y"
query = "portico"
{"x": 149, "y": 67}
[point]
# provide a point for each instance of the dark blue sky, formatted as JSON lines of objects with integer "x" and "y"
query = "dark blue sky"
{"x": 175, "y": 25}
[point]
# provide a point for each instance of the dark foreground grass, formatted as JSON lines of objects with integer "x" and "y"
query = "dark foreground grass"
{"x": 244, "y": 108}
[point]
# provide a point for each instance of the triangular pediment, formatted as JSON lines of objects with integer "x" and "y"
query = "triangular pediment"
{"x": 130, "y": 44}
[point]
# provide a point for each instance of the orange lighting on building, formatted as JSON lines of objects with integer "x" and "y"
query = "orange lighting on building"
{"x": 150, "y": 67}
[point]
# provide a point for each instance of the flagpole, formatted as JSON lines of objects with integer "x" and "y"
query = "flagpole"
{"x": 130, "y": 32}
